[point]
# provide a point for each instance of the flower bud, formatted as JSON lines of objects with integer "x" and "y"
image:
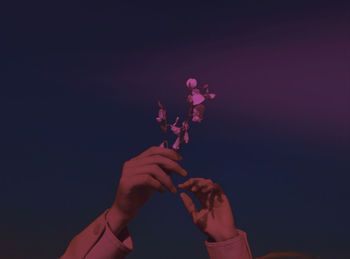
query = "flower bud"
{"x": 191, "y": 83}
{"x": 176, "y": 145}
{"x": 186, "y": 137}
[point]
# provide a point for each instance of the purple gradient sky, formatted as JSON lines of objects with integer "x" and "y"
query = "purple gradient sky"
{"x": 79, "y": 95}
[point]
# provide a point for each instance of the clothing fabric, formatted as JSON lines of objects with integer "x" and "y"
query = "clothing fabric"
{"x": 97, "y": 241}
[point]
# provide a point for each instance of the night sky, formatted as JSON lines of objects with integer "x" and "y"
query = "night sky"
{"x": 78, "y": 97}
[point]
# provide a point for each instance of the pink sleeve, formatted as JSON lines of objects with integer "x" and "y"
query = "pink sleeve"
{"x": 98, "y": 241}
{"x": 235, "y": 248}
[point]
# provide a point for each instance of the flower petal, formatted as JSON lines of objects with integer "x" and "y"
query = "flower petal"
{"x": 186, "y": 137}
{"x": 191, "y": 83}
{"x": 176, "y": 145}
{"x": 196, "y": 119}
{"x": 185, "y": 125}
{"x": 175, "y": 130}
{"x": 212, "y": 96}
{"x": 197, "y": 99}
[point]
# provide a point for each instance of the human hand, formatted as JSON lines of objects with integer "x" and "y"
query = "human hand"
{"x": 142, "y": 175}
{"x": 215, "y": 218}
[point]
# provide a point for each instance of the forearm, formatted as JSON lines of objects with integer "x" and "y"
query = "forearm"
{"x": 99, "y": 241}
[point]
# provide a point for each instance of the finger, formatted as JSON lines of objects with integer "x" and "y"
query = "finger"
{"x": 162, "y": 161}
{"x": 167, "y": 152}
{"x": 189, "y": 183}
{"x": 207, "y": 189}
{"x": 194, "y": 184}
{"x": 157, "y": 173}
{"x": 201, "y": 184}
{"x": 189, "y": 205}
{"x": 147, "y": 180}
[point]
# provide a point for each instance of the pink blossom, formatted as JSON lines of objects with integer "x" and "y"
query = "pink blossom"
{"x": 185, "y": 125}
{"x": 161, "y": 115}
{"x": 191, "y": 83}
{"x": 186, "y": 137}
{"x": 174, "y": 128}
{"x": 209, "y": 96}
{"x": 176, "y": 145}
{"x": 196, "y": 119}
{"x": 198, "y": 113}
{"x": 198, "y": 99}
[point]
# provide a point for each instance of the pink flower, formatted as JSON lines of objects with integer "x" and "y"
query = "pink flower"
{"x": 174, "y": 128}
{"x": 161, "y": 115}
{"x": 197, "y": 97}
{"x": 162, "y": 144}
{"x": 198, "y": 113}
{"x": 212, "y": 96}
{"x": 185, "y": 125}
{"x": 186, "y": 137}
{"x": 209, "y": 96}
{"x": 191, "y": 83}
{"x": 176, "y": 145}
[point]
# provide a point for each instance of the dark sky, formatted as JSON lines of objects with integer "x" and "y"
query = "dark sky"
{"x": 78, "y": 96}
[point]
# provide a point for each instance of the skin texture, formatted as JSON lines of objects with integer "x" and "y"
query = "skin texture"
{"x": 142, "y": 175}
{"x": 215, "y": 217}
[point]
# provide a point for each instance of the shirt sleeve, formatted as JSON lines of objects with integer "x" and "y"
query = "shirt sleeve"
{"x": 235, "y": 248}
{"x": 98, "y": 241}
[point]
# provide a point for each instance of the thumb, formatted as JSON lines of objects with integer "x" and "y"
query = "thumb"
{"x": 191, "y": 208}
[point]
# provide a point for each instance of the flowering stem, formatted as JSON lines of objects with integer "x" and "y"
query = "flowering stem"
{"x": 190, "y": 111}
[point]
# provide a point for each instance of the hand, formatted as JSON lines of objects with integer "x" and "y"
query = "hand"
{"x": 215, "y": 218}
{"x": 142, "y": 175}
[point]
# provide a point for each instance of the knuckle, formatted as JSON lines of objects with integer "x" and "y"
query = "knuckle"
{"x": 153, "y": 148}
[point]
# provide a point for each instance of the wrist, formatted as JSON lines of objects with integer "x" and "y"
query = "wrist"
{"x": 116, "y": 220}
{"x": 223, "y": 236}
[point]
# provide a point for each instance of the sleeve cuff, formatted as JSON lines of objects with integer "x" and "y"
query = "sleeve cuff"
{"x": 127, "y": 244}
{"x": 236, "y": 247}
{"x": 109, "y": 246}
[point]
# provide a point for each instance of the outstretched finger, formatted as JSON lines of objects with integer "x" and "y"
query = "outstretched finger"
{"x": 189, "y": 183}
{"x": 189, "y": 205}
{"x": 196, "y": 184}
